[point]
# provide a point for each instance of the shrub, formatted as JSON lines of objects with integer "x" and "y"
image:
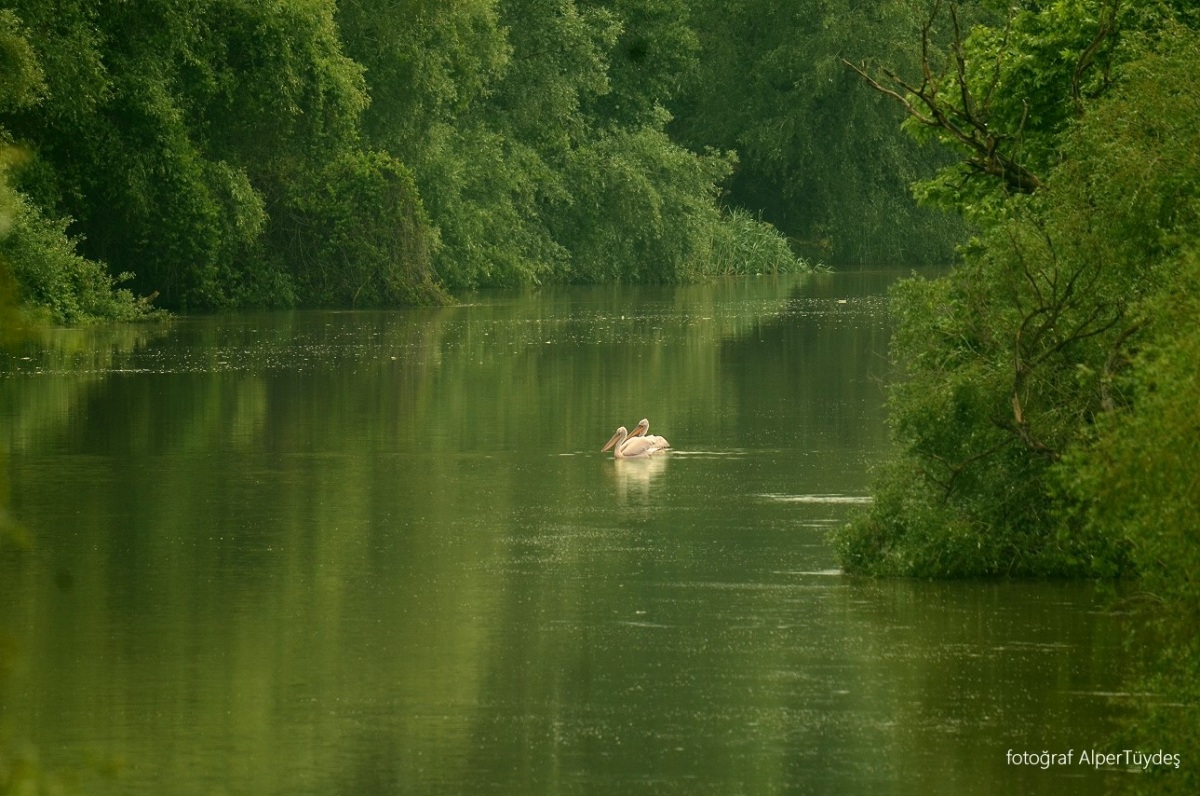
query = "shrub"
{"x": 53, "y": 279}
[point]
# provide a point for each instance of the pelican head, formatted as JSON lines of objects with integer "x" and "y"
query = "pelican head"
{"x": 617, "y": 439}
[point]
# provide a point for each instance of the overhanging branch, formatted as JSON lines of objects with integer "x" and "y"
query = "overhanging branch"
{"x": 966, "y": 122}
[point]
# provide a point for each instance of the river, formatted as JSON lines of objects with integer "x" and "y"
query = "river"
{"x": 380, "y": 552}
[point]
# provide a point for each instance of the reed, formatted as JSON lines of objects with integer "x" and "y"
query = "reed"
{"x": 742, "y": 244}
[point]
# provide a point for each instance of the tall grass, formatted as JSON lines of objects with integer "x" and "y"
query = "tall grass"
{"x": 743, "y": 245}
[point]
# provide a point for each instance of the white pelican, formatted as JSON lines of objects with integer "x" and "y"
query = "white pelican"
{"x": 636, "y": 448}
{"x": 642, "y": 427}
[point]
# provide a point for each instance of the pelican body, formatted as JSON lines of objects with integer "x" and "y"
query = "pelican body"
{"x": 626, "y": 447}
{"x": 643, "y": 426}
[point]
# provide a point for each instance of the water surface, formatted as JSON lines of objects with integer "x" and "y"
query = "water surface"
{"x": 381, "y": 553}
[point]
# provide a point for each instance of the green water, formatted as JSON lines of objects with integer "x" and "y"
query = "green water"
{"x": 381, "y": 553}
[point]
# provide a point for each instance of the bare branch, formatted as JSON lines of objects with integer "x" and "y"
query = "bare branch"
{"x": 902, "y": 99}
{"x": 955, "y": 470}
{"x": 967, "y": 125}
{"x": 960, "y": 76}
{"x": 1106, "y": 30}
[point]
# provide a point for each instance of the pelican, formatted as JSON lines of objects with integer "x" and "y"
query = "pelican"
{"x": 642, "y": 427}
{"x": 636, "y": 448}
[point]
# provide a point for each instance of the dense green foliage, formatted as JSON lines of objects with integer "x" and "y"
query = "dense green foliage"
{"x": 1017, "y": 361}
{"x": 176, "y": 137}
{"x": 37, "y": 257}
{"x": 1044, "y": 419}
{"x": 819, "y": 155}
{"x": 540, "y": 147}
{"x": 226, "y": 153}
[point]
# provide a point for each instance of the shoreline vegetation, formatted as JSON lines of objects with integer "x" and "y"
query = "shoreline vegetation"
{"x": 227, "y": 154}
{"x": 1043, "y": 411}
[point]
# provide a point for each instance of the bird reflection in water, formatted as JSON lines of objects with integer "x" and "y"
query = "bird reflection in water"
{"x": 634, "y": 478}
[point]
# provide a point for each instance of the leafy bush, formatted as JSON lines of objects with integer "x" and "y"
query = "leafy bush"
{"x": 56, "y": 280}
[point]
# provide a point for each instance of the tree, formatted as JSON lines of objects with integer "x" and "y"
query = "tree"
{"x": 230, "y": 153}
{"x": 1136, "y": 474}
{"x": 535, "y": 130}
{"x": 173, "y": 135}
{"x": 1013, "y": 360}
{"x": 364, "y": 232}
{"x": 817, "y": 155}
{"x": 483, "y": 101}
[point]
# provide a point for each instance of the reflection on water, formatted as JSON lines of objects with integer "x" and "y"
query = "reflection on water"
{"x": 633, "y": 478}
{"x": 380, "y": 552}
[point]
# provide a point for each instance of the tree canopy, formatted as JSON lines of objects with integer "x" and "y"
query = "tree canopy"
{"x": 819, "y": 156}
{"x": 1015, "y": 360}
{"x": 229, "y": 153}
